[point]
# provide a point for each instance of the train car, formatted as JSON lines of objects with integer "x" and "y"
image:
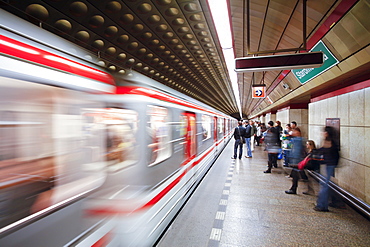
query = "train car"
{"x": 91, "y": 159}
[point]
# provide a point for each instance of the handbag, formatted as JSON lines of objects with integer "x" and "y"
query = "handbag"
{"x": 303, "y": 163}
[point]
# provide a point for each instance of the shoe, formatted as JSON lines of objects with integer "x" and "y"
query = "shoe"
{"x": 320, "y": 209}
{"x": 308, "y": 193}
{"x": 267, "y": 171}
{"x": 290, "y": 191}
{"x": 288, "y": 177}
{"x": 233, "y": 158}
{"x": 248, "y": 156}
{"x": 240, "y": 158}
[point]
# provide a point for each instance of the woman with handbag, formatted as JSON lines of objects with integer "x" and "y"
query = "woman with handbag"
{"x": 299, "y": 173}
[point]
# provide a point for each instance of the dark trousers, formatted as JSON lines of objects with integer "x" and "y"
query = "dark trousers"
{"x": 272, "y": 160}
{"x": 237, "y": 145}
{"x": 297, "y": 174}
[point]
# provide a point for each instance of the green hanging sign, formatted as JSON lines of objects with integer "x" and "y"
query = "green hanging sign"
{"x": 304, "y": 75}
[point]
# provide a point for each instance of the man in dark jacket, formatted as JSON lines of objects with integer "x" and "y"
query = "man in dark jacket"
{"x": 272, "y": 145}
{"x": 239, "y": 135}
{"x": 248, "y": 134}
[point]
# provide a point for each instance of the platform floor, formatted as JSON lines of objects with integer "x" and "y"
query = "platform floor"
{"x": 239, "y": 205}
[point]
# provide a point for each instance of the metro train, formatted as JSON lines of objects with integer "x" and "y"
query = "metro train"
{"x": 89, "y": 158}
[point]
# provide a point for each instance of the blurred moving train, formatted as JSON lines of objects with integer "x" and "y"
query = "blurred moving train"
{"x": 87, "y": 159}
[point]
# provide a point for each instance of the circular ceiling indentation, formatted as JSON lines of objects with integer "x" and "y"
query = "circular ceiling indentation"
{"x": 196, "y": 17}
{"x": 192, "y": 42}
{"x": 179, "y": 47}
{"x": 63, "y": 25}
{"x": 96, "y": 21}
{"x": 154, "y": 19}
{"x": 149, "y": 56}
{"x": 172, "y": 12}
{"x": 78, "y": 8}
{"x": 137, "y": 28}
{"x": 82, "y": 36}
{"x": 146, "y": 35}
{"x": 188, "y": 36}
{"x": 99, "y": 44}
{"x": 38, "y": 11}
{"x": 168, "y": 35}
{"x": 154, "y": 42}
{"x": 121, "y": 56}
{"x": 183, "y": 30}
{"x": 141, "y": 51}
{"x": 111, "y": 31}
{"x": 199, "y": 26}
{"x": 174, "y": 42}
{"x": 161, "y": 48}
{"x": 162, "y": 28}
{"x": 111, "y": 50}
{"x": 133, "y": 45}
{"x": 191, "y": 7}
{"x": 203, "y": 33}
{"x": 144, "y": 8}
{"x": 126, "y": 18}
{"x": 113, "y": 6}
{"x": 178, "y": 21}
{"x": 123, "y": 39}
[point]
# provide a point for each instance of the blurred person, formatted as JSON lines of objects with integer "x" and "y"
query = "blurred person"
{"x": 239, "y": 136}
{"x": 297, "y": 152}
{"x": 272, "y": 146}
{"x": 258, "y": 134}
{"x": 253, "y": 133}
{"x": 248, "y": 134}
{"x": 297, "y": 174}
{"x": 330, "y": 152}
{"x": 286, "y": 145}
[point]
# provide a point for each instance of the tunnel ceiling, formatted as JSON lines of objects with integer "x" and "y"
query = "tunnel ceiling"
{"x": 175, "y": 42}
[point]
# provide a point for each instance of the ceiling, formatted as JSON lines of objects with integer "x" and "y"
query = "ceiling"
{"x": 175, "y": 42}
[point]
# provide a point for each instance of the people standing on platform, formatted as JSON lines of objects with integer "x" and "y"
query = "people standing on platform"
{"x": 278, "y": 127}
{"x": 330, "y": 152}
{"x": 294, "y": 125}
{"x": 296, "y": 174}
{"x": 272, "y": 141}
{"x": 253, "y": 133}
{"x": 258, "y": 134}
{"x": 248, "y": 131}
{"x": 239, "y": 136}
{"x": 297, "y": 151}
{"x": 286, "y": 145}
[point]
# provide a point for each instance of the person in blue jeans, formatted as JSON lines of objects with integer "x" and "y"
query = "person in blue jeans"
{"x": 239, "y": 133}
{"x": 330, "y": 152}
{"x": 248, "y": 134}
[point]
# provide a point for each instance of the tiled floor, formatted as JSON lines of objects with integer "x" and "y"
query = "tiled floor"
{"x": 239, "y": 205}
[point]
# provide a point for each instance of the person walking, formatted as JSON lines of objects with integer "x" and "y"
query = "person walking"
{"x": 272, "y": 146}
{"x": 330, "y": 152}
{"x": 239, "y": 136}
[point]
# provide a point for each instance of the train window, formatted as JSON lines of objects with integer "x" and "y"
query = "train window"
{"x": 220, "y": 125}
{"x": 121, "y": 127}
{"x": 206, "y": 127}
{"x": 159, "y": 133}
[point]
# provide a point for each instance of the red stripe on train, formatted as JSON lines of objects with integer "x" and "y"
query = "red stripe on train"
{"x": 33, "y": 54}
{"x": 154, "y": 200}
